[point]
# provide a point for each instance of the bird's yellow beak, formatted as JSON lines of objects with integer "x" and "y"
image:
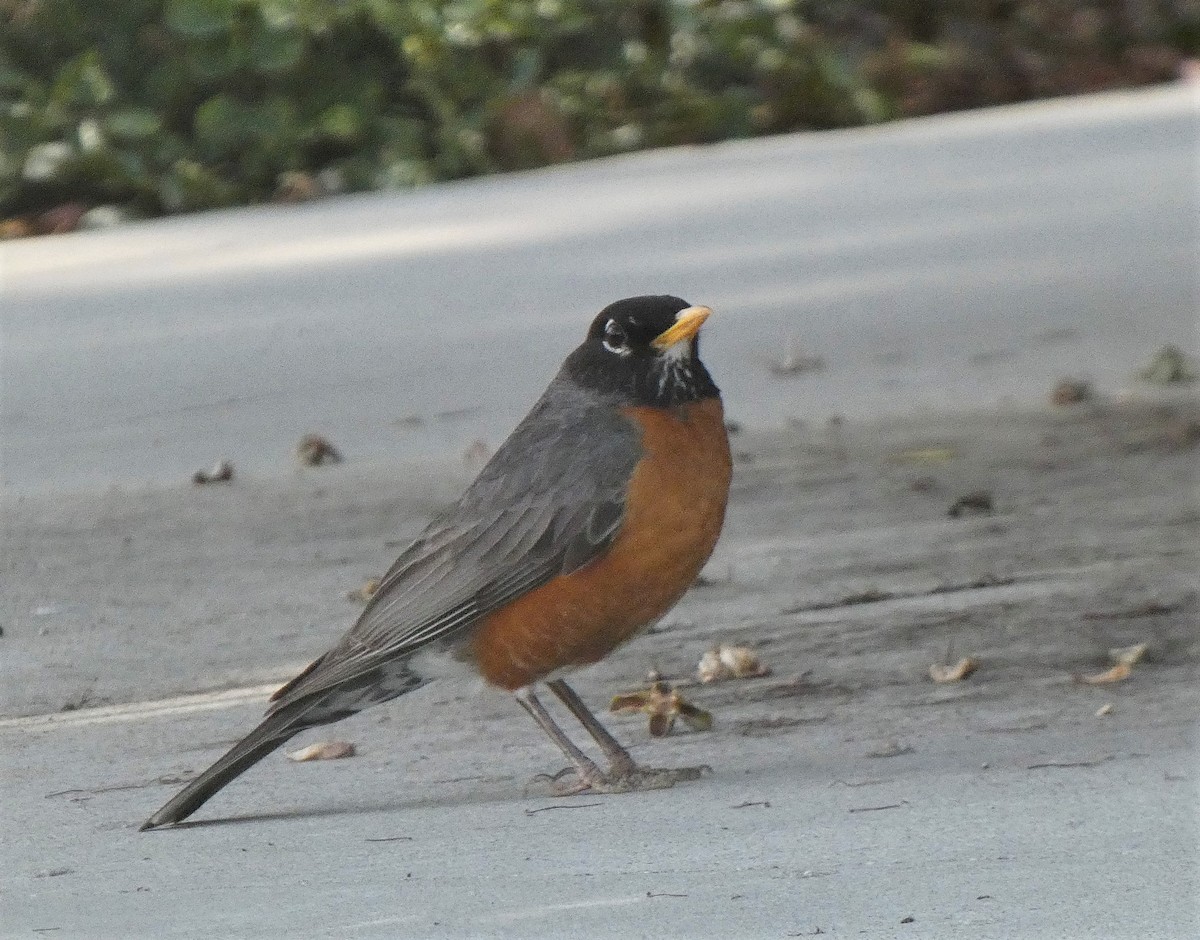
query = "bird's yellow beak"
{"x": 687, "y": 325}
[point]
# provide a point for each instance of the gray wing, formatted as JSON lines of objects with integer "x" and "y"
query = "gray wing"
{"x": 547, "y": 503}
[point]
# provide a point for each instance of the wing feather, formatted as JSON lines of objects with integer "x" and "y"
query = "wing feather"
{"x": 547, "y": 503}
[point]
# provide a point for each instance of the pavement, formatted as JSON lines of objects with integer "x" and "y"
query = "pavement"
{"x": 952, "y": 262}
{"x": 947, "y": 271}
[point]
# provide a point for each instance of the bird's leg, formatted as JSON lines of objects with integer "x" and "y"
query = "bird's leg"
{"x": 623, "y": 773}
{"x": 586, "y": 770}
{"x": 621, "y": 763}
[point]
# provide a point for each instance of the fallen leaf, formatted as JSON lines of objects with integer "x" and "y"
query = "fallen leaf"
{"x": 730, "y": 662}
{"x": 1128, "y": 655}
{"x": 663, "y": 704}
{"x": 1117, "y": 673}
{"x": 364, "y": 592}
{"x": 1071, "y": 392}
{"x": 1124, "y": 658}
{"x": 743, "y": 662}
{"x": 710, "y": 668}
{"x": 323, "y": 750}
{"x": 314, "y": 450}
{"x": 944, "y": 672}
{"x": 222, "y": 472}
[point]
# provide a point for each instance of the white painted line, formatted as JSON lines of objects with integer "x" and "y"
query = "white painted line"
{"x": 138, "y": 711}
{"x": 544, "y": 910}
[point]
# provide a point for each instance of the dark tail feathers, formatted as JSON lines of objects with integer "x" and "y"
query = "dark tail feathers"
{"x": 273, "y": 732}
{"x": 287, "y": 718}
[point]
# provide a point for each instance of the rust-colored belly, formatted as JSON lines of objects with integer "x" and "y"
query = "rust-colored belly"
{"x": 673, "y": 515}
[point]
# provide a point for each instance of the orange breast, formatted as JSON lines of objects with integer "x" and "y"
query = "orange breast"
{"x": 673, "y": 515}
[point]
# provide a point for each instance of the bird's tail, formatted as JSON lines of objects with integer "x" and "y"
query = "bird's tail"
{"x": 275, "y": 729}
{"x": 295, "y": 709}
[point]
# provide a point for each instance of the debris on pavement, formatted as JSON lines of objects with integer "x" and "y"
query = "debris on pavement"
{"x": 1071, "y": 392}
{"x": 977, "y": 501}
{"x": 1180, "y": 434}
{"x": 663, "y": 704}
{"x": 1061, "y": 764}
{"x": 1118, "y": 673}
{"x": 1148, "y": 609}
{"x": 956, "y": 672}
{"x": 546, "y": 809}
{"x": 222, "y": 472}
{"x": 795, "y": 362}
{"x": 1105, "y": 709}
{"x": 1169, "y": 366}
{"x": 323, "y": 750}
{"x": 314, "y": 450}
{"x": 1124, "y": 658}
{"x": 876, "y": 809}
{"x": 730, "y": 662}
{"x": 890, "y": 749}
{"x": 476, "y": 455}
{"x": 1129, "y": 655}
{"x": 364, "y": 591}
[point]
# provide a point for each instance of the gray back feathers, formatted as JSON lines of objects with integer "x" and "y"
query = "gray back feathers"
{"x": 548, "y": 502}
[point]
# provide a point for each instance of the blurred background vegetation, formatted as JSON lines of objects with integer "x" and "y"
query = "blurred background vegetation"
{"x": 116, "y": 109}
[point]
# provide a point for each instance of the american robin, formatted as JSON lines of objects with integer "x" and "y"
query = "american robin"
{"x": 586, "y": 526}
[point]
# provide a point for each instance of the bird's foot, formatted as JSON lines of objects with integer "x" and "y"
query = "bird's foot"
{"x": 647, "y": 778}
{"x": 570, "y": 781}
{"x": 567, "y": 782}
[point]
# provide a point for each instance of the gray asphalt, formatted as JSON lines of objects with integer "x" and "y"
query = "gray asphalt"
{"x": 938, "y": 263}
{"x": 948, "y": 271}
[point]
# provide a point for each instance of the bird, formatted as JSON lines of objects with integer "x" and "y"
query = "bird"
{"x": 585, "y": 527}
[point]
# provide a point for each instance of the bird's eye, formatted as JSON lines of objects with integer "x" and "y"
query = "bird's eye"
{"x": 615, "y": 339}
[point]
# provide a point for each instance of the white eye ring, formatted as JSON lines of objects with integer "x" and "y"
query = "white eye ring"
{"x": 615, "y": 340}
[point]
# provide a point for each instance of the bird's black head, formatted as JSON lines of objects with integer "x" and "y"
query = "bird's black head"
{"x": 645, "y": 351}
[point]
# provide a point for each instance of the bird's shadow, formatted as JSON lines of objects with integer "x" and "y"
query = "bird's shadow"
{"x": 474, "y": 797}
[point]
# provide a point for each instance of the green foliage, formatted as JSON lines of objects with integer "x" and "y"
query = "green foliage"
{"x": 161, "y": 106}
